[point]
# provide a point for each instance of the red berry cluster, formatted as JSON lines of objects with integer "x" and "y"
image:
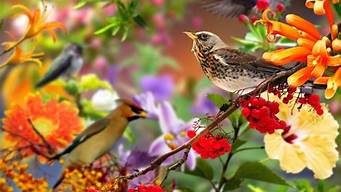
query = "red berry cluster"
{"x": 209, "y": 146}
{"x": 312, "y": 100}
{"x": 146, "y": 188}
{"x": 261, "y": 114}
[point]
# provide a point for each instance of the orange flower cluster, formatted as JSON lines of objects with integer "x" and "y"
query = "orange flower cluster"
{"x": 320, "y": 53}
{"x": 81, "y": 179}
{"x": 36, "y": 25}
{"x": 24, "y": 181}
{"x": 57, "y": 122}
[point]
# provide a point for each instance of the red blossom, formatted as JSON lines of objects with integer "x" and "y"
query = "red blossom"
{"x": 262, "y": 4}
{"x": 261, "y": 114}
{"x": 146, "y": 188}
{"x": 244, "y": 18}
{"x": 280, "y": 7}
{"x": 209, "y": 146}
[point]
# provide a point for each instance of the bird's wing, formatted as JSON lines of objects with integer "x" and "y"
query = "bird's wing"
{"x": 245, "y": 60}
{"x": 229, "y": 8}
{"x": 92, "y": 130}
{"x": 58, "y": 67}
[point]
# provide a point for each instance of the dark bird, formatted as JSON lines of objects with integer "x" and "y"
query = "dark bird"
{"x": 68, "y": 63}
{"x": 228, "y": 68}
{"x": 100, "y": 136}
{"x": 232, "y": 8}
{"x": 229, "y": 8}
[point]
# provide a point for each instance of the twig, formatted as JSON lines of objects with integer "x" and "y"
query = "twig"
{"x": 220, "y": 117}
{"x": 229, "y": 157}
{"x": 50, "y": 150}
{"x": 176, "y": 164}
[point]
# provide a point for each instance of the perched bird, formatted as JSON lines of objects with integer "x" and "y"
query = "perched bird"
{"x": 228, "y": 68}
{"x": 68, "y": 63}
{"x": 100, "y": 136}
{"x": 232, "y": 8}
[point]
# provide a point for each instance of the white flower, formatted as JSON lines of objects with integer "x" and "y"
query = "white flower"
{"x": 104, "y": 100}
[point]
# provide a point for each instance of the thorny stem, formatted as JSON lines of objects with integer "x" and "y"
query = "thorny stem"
{"x": 220, "y": 117}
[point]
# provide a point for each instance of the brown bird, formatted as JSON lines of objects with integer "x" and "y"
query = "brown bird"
{"x": 228, "y": 68}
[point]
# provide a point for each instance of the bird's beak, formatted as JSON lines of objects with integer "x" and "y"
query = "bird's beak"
{"x": 143, "y": 114}
{"x": 191, "y": 35}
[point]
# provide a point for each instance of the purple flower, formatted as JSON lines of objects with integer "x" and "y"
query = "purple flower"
{"x": 174, "y": 134}
{"x": 133, "y": 160}
{"x": 202, "y": 105}
{"x": 161, "y": 86}
{"x": 147, "y": 102}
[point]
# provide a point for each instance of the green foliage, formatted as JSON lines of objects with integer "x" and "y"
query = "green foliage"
{"x": 257, "y": 39}
{"x": 129, "y": 135}
{"x": 217, "y": 99}
{"x": 203, "y": 169}
{"x": 255, "y": 171}
{"x": 337, "y": 8}
{"x": 150, "y": 59}
{"x": 125, "y": 20}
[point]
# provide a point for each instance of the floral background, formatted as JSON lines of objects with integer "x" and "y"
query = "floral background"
{"x": 137, "y": 49}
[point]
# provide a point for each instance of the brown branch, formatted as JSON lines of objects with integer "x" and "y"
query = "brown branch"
{"x": 273, "y": 80}
{"x": 176, "y": 164}
{"x": 50, "y": 150}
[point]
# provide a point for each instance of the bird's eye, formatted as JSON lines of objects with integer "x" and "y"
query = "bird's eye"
{"x": 203, "y": 36}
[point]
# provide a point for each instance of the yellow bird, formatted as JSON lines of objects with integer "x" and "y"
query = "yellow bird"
{"x": 100, "y": 136}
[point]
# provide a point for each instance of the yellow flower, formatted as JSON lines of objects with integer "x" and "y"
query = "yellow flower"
{"x": 309, "y": 142}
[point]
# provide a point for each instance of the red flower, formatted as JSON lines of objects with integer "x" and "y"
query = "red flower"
{"x": 262, "y": 4}
{"x": 146, "y": 188}
{"x": 280, "y": 7}
{"x": 209, "y": 146}
{"x": 261, "y": 114}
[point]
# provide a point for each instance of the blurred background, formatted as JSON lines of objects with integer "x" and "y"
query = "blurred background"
{"x": 153, "y": 56}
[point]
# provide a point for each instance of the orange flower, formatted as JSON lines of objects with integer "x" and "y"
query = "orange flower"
{"x": 311, "y": 48}
{"x": 333, "y": 83}
{"x": 18, "y": 57}
{"x": 322, "y": 7}
{"x": 19, "y": 83}
{"x": 56, "y": 122}
{"x": 36, "y": 25}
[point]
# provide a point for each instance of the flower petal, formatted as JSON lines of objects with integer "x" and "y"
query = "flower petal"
{"x": 286, "y": 56}
{"x": 303, "y": 25}
{"x": 291, "y": 159}
{"x": 300, "y": 77}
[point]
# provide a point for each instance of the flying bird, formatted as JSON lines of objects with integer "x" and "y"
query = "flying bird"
{"x": 228, "y": 68}
{"x": 232, "y": 8}
{"x": 100, "y": 136}
{"x": 68, "y": 63}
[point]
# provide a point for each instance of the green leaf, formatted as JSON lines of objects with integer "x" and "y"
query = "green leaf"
{"x": 260, "y": 172}
{"x": 92, "y": 82}
{"x": 232, "y": 184}
{"x": 303, "y": 185}
{"x": 129, "y": 135}
{"x": 254, "y": 188}
{"x": 71, "y": 87}
{"x": 203, "y": 169}
{"x": 80, "y": 4}
{"x": 106, "y": 28}
{"x": 238, "y": 143}
{"x": 236, "y": 119}
{"x": 139, "y": 20}
{"x": 217, "y": 99}
{"x": 337, "y": 8}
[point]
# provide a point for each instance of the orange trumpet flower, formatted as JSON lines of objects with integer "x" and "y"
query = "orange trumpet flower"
{"x": 18, "y": 57}
{"x": 36, "y": 25}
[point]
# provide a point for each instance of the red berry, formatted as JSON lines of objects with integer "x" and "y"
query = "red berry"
{"x": 280, "y": 7}
{"x": 191, "y": 133}
{"x": 262, "y": 4}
